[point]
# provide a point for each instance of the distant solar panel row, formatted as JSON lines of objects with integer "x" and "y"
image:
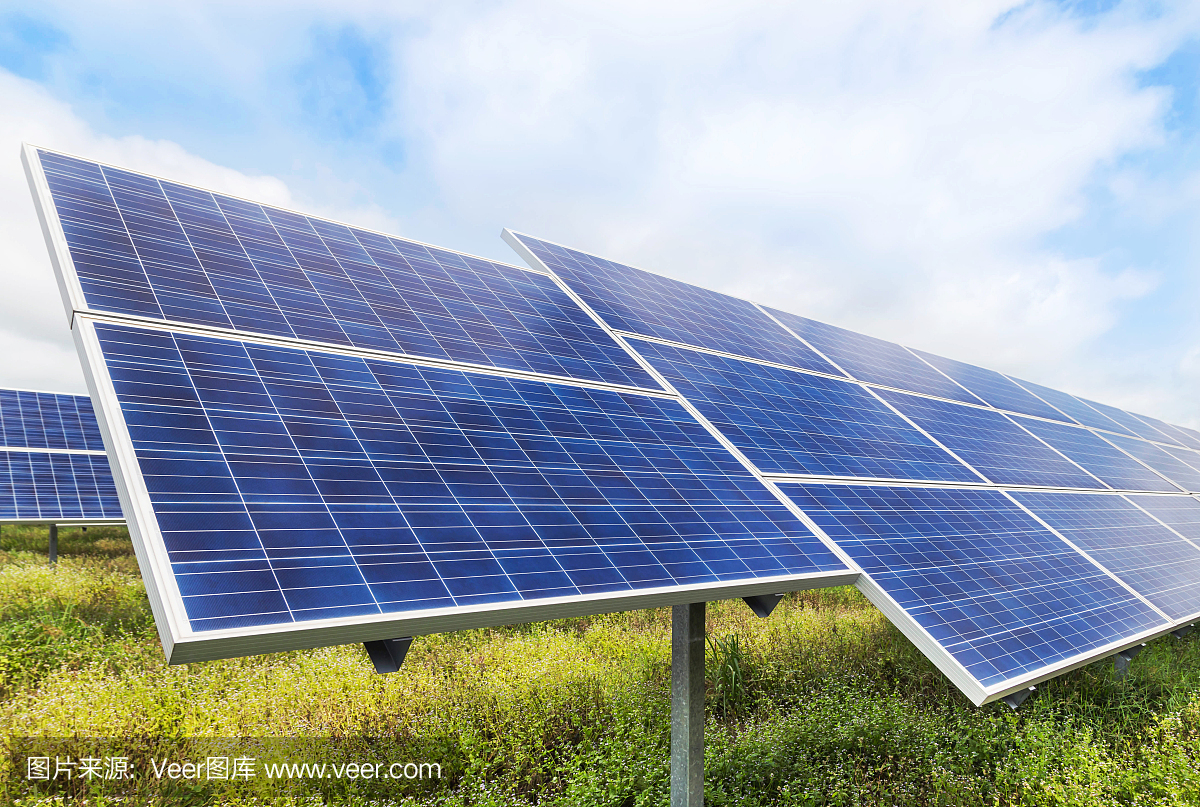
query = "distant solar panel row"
{"x": 1001, "y": 587}
{"x": 44, "y": 474}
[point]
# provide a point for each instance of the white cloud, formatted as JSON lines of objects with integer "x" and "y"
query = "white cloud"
{"x": 891, "y": 167}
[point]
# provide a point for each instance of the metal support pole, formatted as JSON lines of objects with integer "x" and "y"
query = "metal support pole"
{"x": 687, "y": 705}
{"x": 53, "y": 544}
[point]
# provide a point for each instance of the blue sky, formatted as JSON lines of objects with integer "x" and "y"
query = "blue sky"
{"x": 1013, "y": 184}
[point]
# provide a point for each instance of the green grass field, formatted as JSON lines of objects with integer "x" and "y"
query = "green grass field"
{"x": 824, "y": 703}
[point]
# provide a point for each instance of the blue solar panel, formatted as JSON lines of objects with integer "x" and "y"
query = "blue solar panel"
{"x": 1146, "y": 556}
{"x": 1097, "y": 456}
{"x": 1169, "y": 466}
{"x": 40, "y": 480}
{"x": 1001, "y": 593}
{"x": 994, "y": 388}
{"x": 296, "y": 485}
{"x": 157, "y": 249}
{"x": 46, "y": 486}
{"x": 1077, "y": 409}
{"x": 874, "y": 360}
{"x": 48, "y": 420}
{"x": 1132, "y": 423}
{"x": 636, "y": 301}
{"x": 1185, "y": 455}
{"x": 1180, "y": 513}
{"x": 1176, "y": 434}
{"x": 790, "y": 422}
{"x": 991, "y": 443}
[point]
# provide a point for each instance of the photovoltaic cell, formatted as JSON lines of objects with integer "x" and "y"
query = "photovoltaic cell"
{"x": 1077, "y": 409}
{"x": 633, "y": 300}
{"x": 1121, "y": 537}
{"x": 1097, "y": 456}
{"x": 1180, "y": 513}
{"x": 295, "y": 485}
{"x": 1001, "y": 593}
{"x": 991, "y": 443}
{"x": 994, "y": 388}
{"x": 156, "y": 249}
{"x": 874, "y": 360}
{"x": 48, "y": 420}
{"x": 1157, "y": 458}
{"x": 795, "y": 423}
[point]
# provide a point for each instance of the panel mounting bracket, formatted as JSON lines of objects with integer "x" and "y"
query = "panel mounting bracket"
{"x": 763, "y": 604}
{"x": 388, "y": 654}
{"x": 1017, "y": 698}
{"x": 1122, "y": 660}
{"x": 1181, "y": 632}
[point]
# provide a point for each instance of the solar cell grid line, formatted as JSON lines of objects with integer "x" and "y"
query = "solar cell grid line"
{"x": 994, "y": 388}
{"x": 873, "y": 360}
{"x": 389, "y": 490}
{"x": 1153, "y": 560}
{"x": 788, "y": 422}
{"x": 1098, "y": 457}
{"x": 1157, "y": 458}
{"x": 990, "y": 443}
{"x": 1074, "y": 407}
{"x": 635, "y": 301}
{"x": 139, "y": 246}
{"x": 992, "y": 596}
{"x": 1132, "y": 423}
{"x": 1180, "y": 513}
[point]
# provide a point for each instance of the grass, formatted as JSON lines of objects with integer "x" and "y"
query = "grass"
{"x": 824, "y": 703}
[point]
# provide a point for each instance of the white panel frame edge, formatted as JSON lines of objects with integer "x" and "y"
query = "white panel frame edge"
{"x": 182, "y": 645}
{"x": 905, "y": 623}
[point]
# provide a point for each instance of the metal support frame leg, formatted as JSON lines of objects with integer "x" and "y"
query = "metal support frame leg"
{"x": 53, "y": 544}
{"x": 388, "y": 654}
{"x": 1122, "y": 660}
{"x": 687, "y": 705}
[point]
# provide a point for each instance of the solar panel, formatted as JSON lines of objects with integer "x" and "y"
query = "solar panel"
{"x": 874, "y": 360}
{"x": 994, "y": 388}
{"x": 789, "y": 422}
{"x": 1180, "y": 513}
{"x": 296, "y": 479}
{"x": 1157, "y": 458}
{"x": 1176, "y": 434}
{"x": 991, "y": 443}
{"x": 1098, "y": 457}
{"x": 1151, "y": 559}
{"x": 987, "y": 584}
{"x": 326, "y": 435}
{"x": 1075, "y": 408}
{"x": 1132, "y": 423}
{"x": 52, "y": 462}
{"x": 151, "y": 248}
{"x": 639, "y": 302}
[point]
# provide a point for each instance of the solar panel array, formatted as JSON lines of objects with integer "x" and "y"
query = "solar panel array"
{"x": 328, "y": 435}
{"x": 1011, "y": 530}
{"x": 52, "y": 462}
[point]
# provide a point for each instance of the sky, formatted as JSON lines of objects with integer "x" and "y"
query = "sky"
{"x": 1013, "y": 184}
